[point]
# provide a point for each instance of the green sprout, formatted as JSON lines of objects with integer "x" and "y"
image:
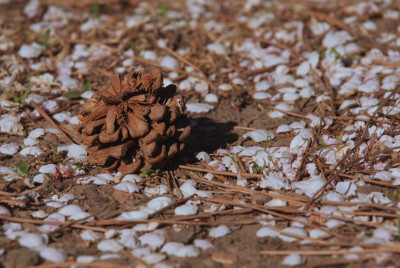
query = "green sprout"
{"x": 24, "y": 96}
{"x": 233, "y": 159}
{"x": 163, "y": 10}
{"x": 398, "y": 226}
{"x": 74, "y": 94}
{"x": 319, "y": 51}
{"x": 320, "y": 140}
{"x": 23, "y": 168}
{"x": 259, "y": 169}
{"x": 95, "y": 9}
{"x": 44, "y": 38}
{"x": 352, "y": 57}
{"x": 334, "y": 51}
{"x": 149, "y": 172}
{"x": 134, "y": 44}
{"x": 341, "y": 135}
{"x": 267, "y": 142}
{"x": 392, "y": 197}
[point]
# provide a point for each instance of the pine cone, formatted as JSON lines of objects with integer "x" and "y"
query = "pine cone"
{"x": 135, "y": 123}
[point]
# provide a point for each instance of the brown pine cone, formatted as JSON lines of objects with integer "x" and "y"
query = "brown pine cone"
{"x": 135, "y": 123}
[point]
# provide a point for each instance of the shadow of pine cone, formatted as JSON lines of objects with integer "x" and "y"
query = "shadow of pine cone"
{"x": 135, "y": 123}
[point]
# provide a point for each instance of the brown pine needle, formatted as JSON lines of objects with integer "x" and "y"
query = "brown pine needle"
{"x": 51, "y": 121}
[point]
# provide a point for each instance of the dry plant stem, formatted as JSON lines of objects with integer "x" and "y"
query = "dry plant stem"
{"x": 22, "y": 220}
{"x": 133, "y": 258}
{"x": 387, "y": 184}
{"x": 336, "y": 172}
{"x": 51, "y": 121}
{"x": 335, "y": 262}
{"x": 40, "y": 187}
{"x": 222, "y": 178}
{"x": 318, "y": 241}
{"x": 176, "y": 219}
{"x": 329, "y": 252}
{"x": 328, "y": 19}
{"x": 299, "y": 200}
{"x": 176, "y": 184}
{"x": 225, "y": 173}
{"x": 187, "y": 62}
{"x": 241, "y": 165}
{"x": 99, "y": 264}
{"x": 176, "y": 203}
{"x": 12, "y": 202}
{"x": 287, "y": 112}
{"x": 261, "y": 209}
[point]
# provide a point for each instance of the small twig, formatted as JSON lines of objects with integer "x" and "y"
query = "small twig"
{"x": 179, "y": 57}
{"x": 287, "y": 112}
{"x": 59, "y": 128}
{"x": 328, "y": 19}
{"x": 225, "y": 173}
{"x": 178, "y": 191}
{"x": 99, "y": 264}
{"x": 177, "y": 202}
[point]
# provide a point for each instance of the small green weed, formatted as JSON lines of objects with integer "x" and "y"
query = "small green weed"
{"x": 23, "y": 168}
{"x": 44, "y": 38}
{"x": 149, "y": 172}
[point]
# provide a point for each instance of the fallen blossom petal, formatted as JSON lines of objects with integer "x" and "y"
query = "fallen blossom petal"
{"x": 109, "y": 245}
{"x": 293, "y": 260}
{"x": 219, "y": 231}
{"x": 53, "y": 255}
{"x": 259, "y": 135}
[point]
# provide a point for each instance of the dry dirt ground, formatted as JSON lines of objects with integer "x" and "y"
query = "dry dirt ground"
{"x": 348, "y": 38}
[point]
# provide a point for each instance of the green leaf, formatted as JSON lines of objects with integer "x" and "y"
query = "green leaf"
{"x": 95, "y": 9}
{"x": 88, "y": 86}
{"x": 398, "y": 226}
{"x": 320, "y": 140}
{"x": 26, "y": 93}
{"x": 353, "y": 57}
{"x": 46, "y": 37}
{"x": 146, "y": 172}
{"x": 341, "y": 135}
{"x": 163, "y": 10}
{"x": 17, "y": 99}
{"x": 72, "y": 94}
{"x": 337, "y": 55}
{"x": 23, "y": 168}
{"x": 267, "y": 143}
{"x": 392, "y": 197}
{"x": 233, "y": 159}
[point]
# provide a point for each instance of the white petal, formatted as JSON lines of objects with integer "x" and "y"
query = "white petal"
{"x": 259, "y": 135}
{"x": 35, "y": 151}
{"x": 187, "y": 251}
{"x": 133, "y": 215}
{"x": 127, "y": 187}
{"x": 293, "y": 230}
{"x": 266, "y": 232}
{"x": 109, "y": 245}
{"x": 199, "y": 107}
{"x": 70, "y": 210}
{"x": 89, "y": 235}
{"x": 219, "y": 231}
{"x": 9, "y": 148}
{"x": 154, "y": 239}
{"x": 53, "y": 255}
{"x": 186, "y": 210}
{"x": 293, "y": 260}
{"x": 49, "y": 169}
{"x": 346, "y": 187}
{"x": 171, "y": 248}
